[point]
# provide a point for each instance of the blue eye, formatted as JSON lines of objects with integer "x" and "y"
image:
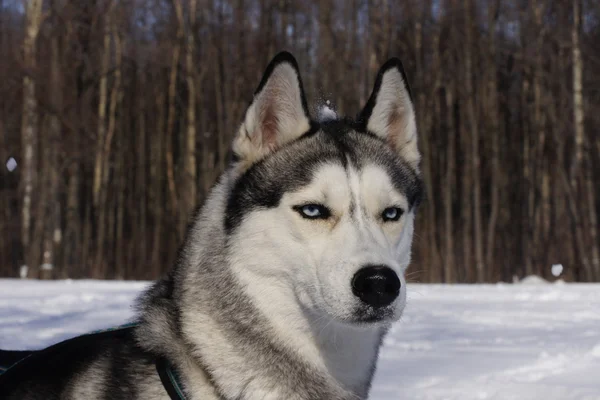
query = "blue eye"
{"x": 391, "y": 214}
{"x": 313, "y": 211}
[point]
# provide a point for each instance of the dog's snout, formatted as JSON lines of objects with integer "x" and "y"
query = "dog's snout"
{"x": 376, "y": 285}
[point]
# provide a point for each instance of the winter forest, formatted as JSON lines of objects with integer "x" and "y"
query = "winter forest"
{"x": 116, "y": 118}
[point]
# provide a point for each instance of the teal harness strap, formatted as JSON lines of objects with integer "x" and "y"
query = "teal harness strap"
{"x": 170, "y": 379}
{"x": 168, "y": 376}
{"x": 12, "y": 358}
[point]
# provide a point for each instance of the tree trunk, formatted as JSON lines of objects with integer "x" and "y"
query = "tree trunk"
{"x": 52, "y": 231}
{"x": 425, "y": 125}
{"x": 466, "y": 198}
{"x": 449, "y": 184}
{"x": 73, "y": 228}
{"x": 494, "y": 133}
{"x": 219, "y": 48}
{"x": 539, "y": 172}
{"x": 103, "y": 204}
{"x": 122, "y": 172}
{"x": 325, "y": 49}
{"x": 29, "y": 128}
{"x": 172, "y": 114}
{"x": 591, "y": 190}
{"x": 220, "y": 109}
{"x": 474, "y": 138}
{"x": 190, "y": 182}
{"x": 157, "y": 165}
{"x": 578, "y": 112}
{"x": 102, "y": 102}
{"x": 141, "y": 236}
{"x": 528, "y": 190}
{"x": 579, "y": 117}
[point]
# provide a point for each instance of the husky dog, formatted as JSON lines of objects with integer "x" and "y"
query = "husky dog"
{"x": 290, "y": 274}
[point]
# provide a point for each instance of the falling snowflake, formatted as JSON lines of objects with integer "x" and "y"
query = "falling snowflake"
{"x": 11, "y": 164}
{"x": 557, "y": 269}
{"x": 326, "y": 113}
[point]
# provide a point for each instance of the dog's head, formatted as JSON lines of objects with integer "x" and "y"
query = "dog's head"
{"x": 327, "y": 208}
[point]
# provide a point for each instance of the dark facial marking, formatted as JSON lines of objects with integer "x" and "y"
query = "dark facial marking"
{"x": 286, "y": 170}
{"x": 293, "y": 166}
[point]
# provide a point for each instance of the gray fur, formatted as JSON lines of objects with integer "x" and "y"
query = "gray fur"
{"x": 205, "y": 286}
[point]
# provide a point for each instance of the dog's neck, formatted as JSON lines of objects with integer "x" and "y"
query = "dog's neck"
{"x": 266, "y": 346}
{"x": 274, "y": 349}
{"x": 347, "y": 354}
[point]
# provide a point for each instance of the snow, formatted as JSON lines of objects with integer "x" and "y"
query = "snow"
{"x": 11, "y": 164}
{"x": 531, "y": 280}
{"x": 502, "y": 342}
{"x": 557, "y": 269}
{"x": 326, "y": 113}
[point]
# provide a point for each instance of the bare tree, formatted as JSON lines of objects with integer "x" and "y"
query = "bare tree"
{"x": 190, "y": 164}
{"x": 29, "y": 125}
{"x": 577, "y": 92}
{"x": 493, "y": 134}
{"x": 173, "y": 76}
{"x": 122, "y": 113}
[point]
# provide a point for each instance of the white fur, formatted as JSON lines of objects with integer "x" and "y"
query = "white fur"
{"x": 265, "y": 288}
{"x": 302, "y": 281}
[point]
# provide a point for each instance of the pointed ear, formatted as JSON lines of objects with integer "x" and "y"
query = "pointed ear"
{"x": 389, "y": 112}
{"x": 277, "y": 115}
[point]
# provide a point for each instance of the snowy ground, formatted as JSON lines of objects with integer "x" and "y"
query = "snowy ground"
{"x": 503, "y": 342}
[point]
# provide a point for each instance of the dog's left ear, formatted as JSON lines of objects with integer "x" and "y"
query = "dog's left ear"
{"x": 278, "y": 113}
{"x": 389, "y": 112}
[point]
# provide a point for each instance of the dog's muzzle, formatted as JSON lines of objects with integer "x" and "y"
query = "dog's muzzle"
{"x": 376, "y": 285}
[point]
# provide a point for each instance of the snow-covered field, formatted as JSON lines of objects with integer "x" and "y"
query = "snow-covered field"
{"x": 462, "y": 342}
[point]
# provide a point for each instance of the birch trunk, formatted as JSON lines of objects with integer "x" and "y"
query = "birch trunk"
{"x": 103, "y": 204}
{"x": 29, "y": 127}
{"x": 52, "y": 231}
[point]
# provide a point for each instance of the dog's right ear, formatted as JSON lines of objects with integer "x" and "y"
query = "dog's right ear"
{"x": 390, "y": 114}
{"x": 277, "y": 115}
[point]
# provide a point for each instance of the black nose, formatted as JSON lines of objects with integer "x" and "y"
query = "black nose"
{"x": 376, "y": 285}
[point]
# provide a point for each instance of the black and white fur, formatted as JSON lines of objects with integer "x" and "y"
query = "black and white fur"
{"x": 261, "y": 304}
